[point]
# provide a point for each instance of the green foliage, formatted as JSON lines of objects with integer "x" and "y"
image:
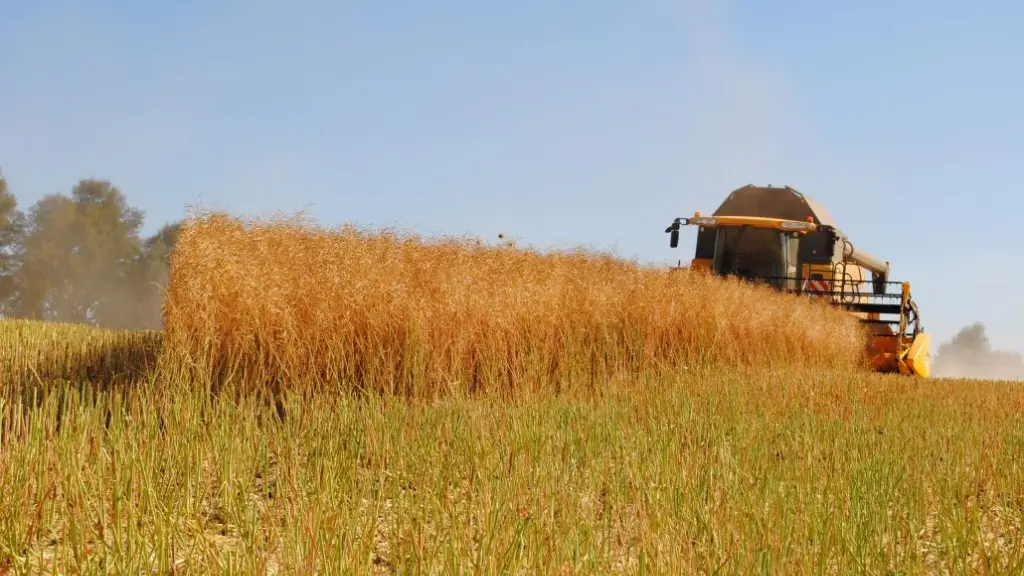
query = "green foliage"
{"x": 11, "y": 230}
{"x": 150, "y": 273}
{"x": 972, "y": 338}
{"x": 80, "y": 258}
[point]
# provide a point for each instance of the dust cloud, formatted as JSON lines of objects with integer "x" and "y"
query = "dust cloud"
{"x": 969, "y": 354}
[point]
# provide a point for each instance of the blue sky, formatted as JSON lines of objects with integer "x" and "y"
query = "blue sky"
{"x": 571, "y": 123}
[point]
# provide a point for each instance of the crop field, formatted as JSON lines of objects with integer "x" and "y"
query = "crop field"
{"x": 339, "y": 401}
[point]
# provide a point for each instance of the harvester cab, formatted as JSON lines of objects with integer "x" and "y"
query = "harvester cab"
{"x": 779, "y": 237}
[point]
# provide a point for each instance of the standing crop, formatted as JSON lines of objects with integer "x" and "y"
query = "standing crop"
{"x": 283, "y": 302}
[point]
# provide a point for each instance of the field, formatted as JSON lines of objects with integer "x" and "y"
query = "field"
{"x": 349, "y": 402}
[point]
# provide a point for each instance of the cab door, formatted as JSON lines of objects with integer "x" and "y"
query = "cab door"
{"x": 791, "y": 261}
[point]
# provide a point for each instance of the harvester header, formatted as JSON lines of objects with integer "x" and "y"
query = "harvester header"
{"x": 780, "y": 237}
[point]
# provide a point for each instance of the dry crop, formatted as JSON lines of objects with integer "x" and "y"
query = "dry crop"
{"x": 283, "y": 301}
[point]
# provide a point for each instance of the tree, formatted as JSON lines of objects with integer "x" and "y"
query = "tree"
{"x": 972, "y": 338}
{"x": 970, "y": 354}
{"x": 44, "y": 268}
{"x": 77, "y": 256}
{"x": 11, "y": 230}
{"x": 107, "y": 230}
{"x": 966, "y": 348}
{"x": 151, "y": 273}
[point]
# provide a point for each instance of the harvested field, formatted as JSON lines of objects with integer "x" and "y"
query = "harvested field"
{"x": 284, "y": 302}
{"x": 733, "y": 470}
{"x": 33, "y": 352}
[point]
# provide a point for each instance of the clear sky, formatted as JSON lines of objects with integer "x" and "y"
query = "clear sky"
{"x": 559, "y": 123}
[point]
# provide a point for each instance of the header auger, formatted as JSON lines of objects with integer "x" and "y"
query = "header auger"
{"x": 782, "y": 238}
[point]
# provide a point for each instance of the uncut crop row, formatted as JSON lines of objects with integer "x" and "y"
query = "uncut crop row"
{"x": 283, "y": 302}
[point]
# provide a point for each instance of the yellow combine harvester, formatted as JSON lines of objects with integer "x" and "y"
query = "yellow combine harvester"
{"x": 782, "y": 238}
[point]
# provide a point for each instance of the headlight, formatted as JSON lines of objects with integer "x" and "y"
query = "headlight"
{"x": 703, "y": 221}
{"x": 797, "y": 225}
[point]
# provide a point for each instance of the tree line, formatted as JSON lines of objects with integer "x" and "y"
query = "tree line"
{"x": 80, "y": 258}
{"x": 969, "y": 354}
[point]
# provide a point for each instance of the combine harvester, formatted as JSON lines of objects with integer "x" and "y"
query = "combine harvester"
{"x": 782, "y": 238}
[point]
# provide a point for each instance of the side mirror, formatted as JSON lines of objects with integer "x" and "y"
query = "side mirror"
{"x": 673, "y": 231}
